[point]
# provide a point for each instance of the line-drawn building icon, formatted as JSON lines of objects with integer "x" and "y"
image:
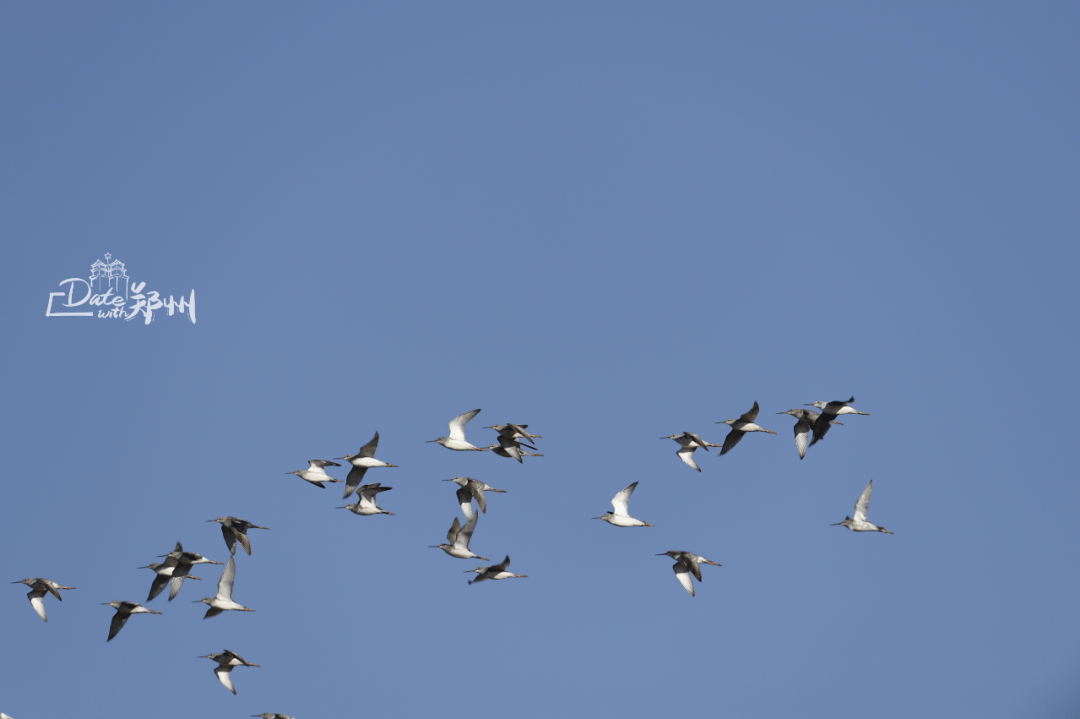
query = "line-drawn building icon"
{"x": 108, "y": 275}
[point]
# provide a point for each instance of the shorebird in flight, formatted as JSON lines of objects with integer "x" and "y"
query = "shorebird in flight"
{"x": 38, "y": 588}
{"x": 234, "y": 529}
{"x": 806, "y": 418}
{"x": 366, "y": 500}
{"x": 621, "y": 516}
{"x": 224, "y": 601}
{"x": 687, "y": 563}
{"x": 741, "y": 426}
{"x": 496, "y": 571}
{"x": 226, "y": 661}
{"x": 829, "y": 412}
{"x": 315, "y": 472}
{"x": 361, "y": 462}
{"x": 182, "y": 563}
{"x": 512, "y": 439}
{"x": 515, "y": 431}
{"x": 512, "y": 454}
{"x": 164, "y": 575}
{"x": 469, "y": 489}
{"x": 459, "y": 538}
{"x": 859, "y": 523}
{"x": 124, "y": 610}
{"x": 268, "y": 715}
{"x": 456, "y": 440}
{"x": 689, "y": 443}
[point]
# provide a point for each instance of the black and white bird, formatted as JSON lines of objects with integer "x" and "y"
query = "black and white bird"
{"x": 234, "y": 530}
{"x": 39, "y": 586}
{"x": 226, "y": 661}
{"x": 687, "y": 563}
{"x": 316, "y": 472}
{"x": 470, "y": 489}
{"x": 829, "y": 412}
{"x": 690, "y": 443}
{"x": 741, "y": 426}
{"x": 224, "y": 601}
{"x": 458, "y": 538}
{"x": 366, "y": 500}
{"x": 621, "y": 516}
{"x": 456, "y": 440}
{"x": 361, "y": 462}
{"x": 496, "y": 571}
{"x": 164, "y": 574}
{"x": 124, "y": 610}
{"x": 859, "y": 523}
{"x": 806, "y": 419}
{"x": 182, "y": 563}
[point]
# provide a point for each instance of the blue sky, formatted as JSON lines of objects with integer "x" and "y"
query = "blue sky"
{"x": 612, "y": 222}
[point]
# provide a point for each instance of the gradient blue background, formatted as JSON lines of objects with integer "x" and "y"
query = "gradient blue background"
{"x": 611, "y": 221}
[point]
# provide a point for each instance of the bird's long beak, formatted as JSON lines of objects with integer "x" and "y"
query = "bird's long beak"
{"x": 836, "y": 525}
{"x": 430, "y": 441}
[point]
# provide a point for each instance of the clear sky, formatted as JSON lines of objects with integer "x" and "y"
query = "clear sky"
{"x": 612, "y": 222}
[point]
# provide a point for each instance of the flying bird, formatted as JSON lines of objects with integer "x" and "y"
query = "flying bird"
{"x": 315, "y": 472}
{"x": 515, "y": 431}
{"x": 829, "y": 412}
{"x": 226, "y": 661}
{"x": 366, "y": 500}
{"x": 458, "y": 538}
{"x": 124, "y": 610}
{"x": 182, "y": 563}
{"x": 361, "y": 462}
{"x": 164, "y": 575}
{"x": 689, "y": 443}
{"x": 621, "y": 516}
{"x": 496, "y": 571}
{"x": 470, "y": 489}
{"x": 741, "y": 426}
{"x": 512, "y": 454}
{"x": 234, "y": 529}
{"x": 806, "y": 418}
{"x": 38, "y": 588}
{"x": 224, "y": 601}
{"x": 687, "y": 563}
{"x": 859, "y": 524}
{"x": 457, "y": 440}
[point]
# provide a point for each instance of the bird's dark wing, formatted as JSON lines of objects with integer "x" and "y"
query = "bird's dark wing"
{"x": 731, "y": 440}
{"x": 118, "y": 622}
{"x": 752, "y": 414}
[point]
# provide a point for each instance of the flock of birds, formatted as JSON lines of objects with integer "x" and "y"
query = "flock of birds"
{"x": 514, "y": 443}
